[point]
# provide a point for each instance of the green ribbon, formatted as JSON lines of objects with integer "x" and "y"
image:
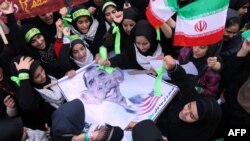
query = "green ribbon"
{"x": 104, "y": 55}
{"x": 31, "y": 33}
{"x": 117, "y": 33}
{"x": 198, "y": 89}
{"x": 158, "y": 34}
{"x": 158, "y": 79}
{"x": 80, "y": 12}
{"x": 66, "y": 20}
{"x": 107, "y": 69}
{"x": 245, "y": 35}
{"x": 16, "y": 80}
{"x": 74, "y": 37}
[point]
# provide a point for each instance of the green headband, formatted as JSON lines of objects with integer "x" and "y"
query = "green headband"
{"x": 107, "y": 4}
{"x": 80, "y": 12}
{"x": 74, "y": 37}
{"x": 31, "y": 33}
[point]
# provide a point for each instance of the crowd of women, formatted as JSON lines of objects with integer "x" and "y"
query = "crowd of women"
{"x": 45, "y": 48}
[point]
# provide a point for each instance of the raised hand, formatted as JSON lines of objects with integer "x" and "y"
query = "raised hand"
{"x": 9, "y": 102}
{"x": 169, "y": 62}
{"x": 6, "y": 7}
{"x": 66, "y": 31}
{"x": 71, "y": 73}
{"x": 211, "y": 61}
{"x": 126, "y": 5}
{"x": 91, "y": 10}
{"x": 118, "y": 17}
{"x": 59, "y": 28}
{"x": 24, "y": 63}
{"x": 63, "y": 11}
{"x": 245, "y": 49}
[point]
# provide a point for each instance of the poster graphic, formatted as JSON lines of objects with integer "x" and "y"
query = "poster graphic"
{"x": 116, "y": 98}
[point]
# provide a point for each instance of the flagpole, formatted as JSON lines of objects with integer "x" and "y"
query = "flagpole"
{"x": 3, "y": 36}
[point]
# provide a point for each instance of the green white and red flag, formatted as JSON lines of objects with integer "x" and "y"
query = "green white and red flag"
{"x": 201, "y": 23}
{"x": 159, "y": 11}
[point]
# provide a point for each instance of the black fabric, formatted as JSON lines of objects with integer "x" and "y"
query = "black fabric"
{"x": 32, "y": 108}
{"x": 235, "y": 76}
{"x": 69, "y": 118}
{"x": 11, "y": 129}
{"x": 146, "y": 130}
{"x": 144, "y": 28}
{"x": 6, "y": 88}
{"x": 130, "y": 13}
{"x": 177, "y": 130}
{"x": 117, "y": 134}
{"x": 141, "y": 5}
{"x": 76, "y": 41}
{"x": 237, "y": 4}
{"x": 231, "y": 13}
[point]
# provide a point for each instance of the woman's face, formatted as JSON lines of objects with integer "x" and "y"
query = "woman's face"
{"x": 110, "y": 10}
{"x": 38, "y": 42}
{"x": 199, "y": 51}
{"x": 47, "y": 18}
{"x": 39, "y": 76}
{"x": 189, "y": 112}
{"x": 142, "y": 43}
{"x": 128, "y": 25}
{"x": 230, "y": 32}
{"x": 79, "y": 52}
{"x": 83, "y": 24}
{"x": 243, "y": 10}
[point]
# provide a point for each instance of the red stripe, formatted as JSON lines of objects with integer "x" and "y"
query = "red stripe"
{"x": 183, "y": 40}
{"x": 151, "y": 106}
{"x": 153, "y": 19}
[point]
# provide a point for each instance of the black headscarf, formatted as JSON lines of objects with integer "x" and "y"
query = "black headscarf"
{"x": 209, "y": 117}
{"x": 68, "y": 120}
{"x": 130, "y": 13}
{"x": 144, "y": 28}
{"x": 237, "y": 4}
{"x": 11, "y": 129}
{"x": 146, "y": 130}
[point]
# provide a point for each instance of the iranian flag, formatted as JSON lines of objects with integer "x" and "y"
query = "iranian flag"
{"x": 201, "y": 23}
{"x": 159, "y": 11}
{"x": 246, "y": 35}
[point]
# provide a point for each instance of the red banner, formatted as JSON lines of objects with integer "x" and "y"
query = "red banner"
{"x": 30, "y": 8}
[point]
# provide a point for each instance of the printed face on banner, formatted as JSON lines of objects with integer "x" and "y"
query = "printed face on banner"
{"x": 103, "y": 86}
{"x": 116, "y": 98}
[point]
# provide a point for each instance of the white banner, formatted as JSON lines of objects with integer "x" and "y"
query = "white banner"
{"x": 116, "y": 98}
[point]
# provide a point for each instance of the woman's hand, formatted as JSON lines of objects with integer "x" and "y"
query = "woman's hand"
{"x": 92, "y": 10}
{"x": 59, "y": 28}
{"x": 7, "y": 7}
{"x": 63, "y": 11}
{"x": 24, "y": 63}
{"x": 130, "y": 126}
{"x": 245, "y": 49}
{"x": 71, "y": 73}
{"x": 118, "y": 17}
{"x": 9, "y": 102}
{"x": 169, "y": 62}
